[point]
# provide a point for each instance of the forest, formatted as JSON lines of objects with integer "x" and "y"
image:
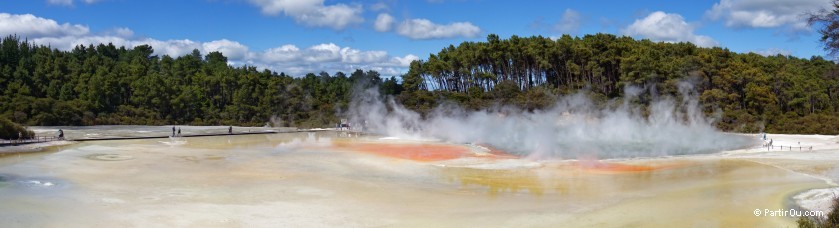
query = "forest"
{"x": 104, "y": 84}
{"x": 746, "y": 91}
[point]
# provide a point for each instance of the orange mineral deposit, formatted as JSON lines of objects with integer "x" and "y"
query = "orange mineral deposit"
{"x": 422, "y": 152}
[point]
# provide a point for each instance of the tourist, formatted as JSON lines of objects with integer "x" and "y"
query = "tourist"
{"x": 173, "y": 131}
{"x": 60, "y": 134}
{"x": 179, "y": 131}
{"x": 230, "y": 130}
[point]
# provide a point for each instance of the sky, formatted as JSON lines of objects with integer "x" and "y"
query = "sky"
{"x": 310, "y": 36}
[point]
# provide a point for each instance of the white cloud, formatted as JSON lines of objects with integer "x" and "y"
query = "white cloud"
{"x": 667, "y": 27}
{"x": 121, "y": 32}
{"x": 766, "y": 13}
{"x": 773, "y": 52}
{"x": 287, "y": 58}
{"x": 69, "y": 2}
{"x": 323, "y": 53}
{"x": 60, "y": 2}
{"x": 329, "y": 57}
{"x": 283, "y": 53}
{"x": 422, "y": 29}
{"x": 172, "y": 48}
{"x": 313, "y": 12}
{"x": 383, "y": 22}
{"x": 275, "y": 7}
{"x": 355, "y": 56}
{"x": 161, "y": 47}
{"x": 405, "y": 61}
{"x": 30, "y": 26}
{"x": 231, "y": 49}
{"x": 570, "y": 22}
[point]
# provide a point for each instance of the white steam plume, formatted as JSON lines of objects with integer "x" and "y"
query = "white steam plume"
{"x": 573, "y": 128}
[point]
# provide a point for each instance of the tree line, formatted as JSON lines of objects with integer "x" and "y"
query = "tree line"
{"x": 105, "y": 84}
{"x": 751, "y": 92}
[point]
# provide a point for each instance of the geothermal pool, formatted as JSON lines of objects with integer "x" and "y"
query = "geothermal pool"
{"x": 336, "y": 179}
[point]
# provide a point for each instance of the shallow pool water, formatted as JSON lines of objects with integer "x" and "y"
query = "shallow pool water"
{"x": 329, "y": 179}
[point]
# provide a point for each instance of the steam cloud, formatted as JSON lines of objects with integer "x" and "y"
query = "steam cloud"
{"x": 573, "y": 128}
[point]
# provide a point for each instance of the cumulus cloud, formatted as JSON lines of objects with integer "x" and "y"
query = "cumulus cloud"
{"x": 357, "y": 56}
{"x": 383, "y": 22}
{"x": 313, "y": 12}
{"x": 161, "y": 47}
{"x": 773, "y": 52}
{"x": 231, "y": 49}
{"x": 406, "y": 61}
{"x": 30, "y": 26}
{"x": 422, "y": 29}
{"x": 323, "y": 53}
{"x": 66, "y": 36}
{"x": 766, "y": 13}
{"x": 667, "y": 27}
{"x": 283, "y": 53}
{"x": 287, "y": 58}
{"x": 121, "y": 32}
{"x": 329, "y": 52}
{"x": 570, "y": 22}
{"x": 331, "y": 58}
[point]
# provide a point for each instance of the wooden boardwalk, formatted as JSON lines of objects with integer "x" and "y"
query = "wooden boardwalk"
{"x": 37, "y": 139}
{"x": 41, "y": 139}
{"x": 181, "y": 136}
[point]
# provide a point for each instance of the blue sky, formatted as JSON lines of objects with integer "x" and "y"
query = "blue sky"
{"x": 304, "y": 36}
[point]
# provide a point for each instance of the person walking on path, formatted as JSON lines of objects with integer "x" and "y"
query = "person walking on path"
{"x": 173, "y": 131}
{"x": 230, "y": 130}
{"x": 179, "y": 132}
{"x": 60, "y": 134}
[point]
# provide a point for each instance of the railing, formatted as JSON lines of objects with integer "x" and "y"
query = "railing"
{"x": 36, "y": 139}
{"x": 788, "y": 148}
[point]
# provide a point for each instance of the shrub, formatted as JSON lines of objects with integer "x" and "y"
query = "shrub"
{"x": 10, "y": 130}
{"x": 831, "y": 221}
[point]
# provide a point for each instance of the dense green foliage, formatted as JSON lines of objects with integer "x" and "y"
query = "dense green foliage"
{"x": 750, "y": 91}
{"x": 105, "y": 84}
{"x": 9, "y": 130}
{"x": 831, "y": 220}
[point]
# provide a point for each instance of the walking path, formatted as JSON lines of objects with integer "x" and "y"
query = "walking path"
{"x": 41, "y": 139}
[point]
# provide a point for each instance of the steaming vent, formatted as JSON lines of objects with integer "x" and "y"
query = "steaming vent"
{"x": 575, "y": 127}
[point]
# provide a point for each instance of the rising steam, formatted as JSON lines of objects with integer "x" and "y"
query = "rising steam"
{"x": 574, "y": 127}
